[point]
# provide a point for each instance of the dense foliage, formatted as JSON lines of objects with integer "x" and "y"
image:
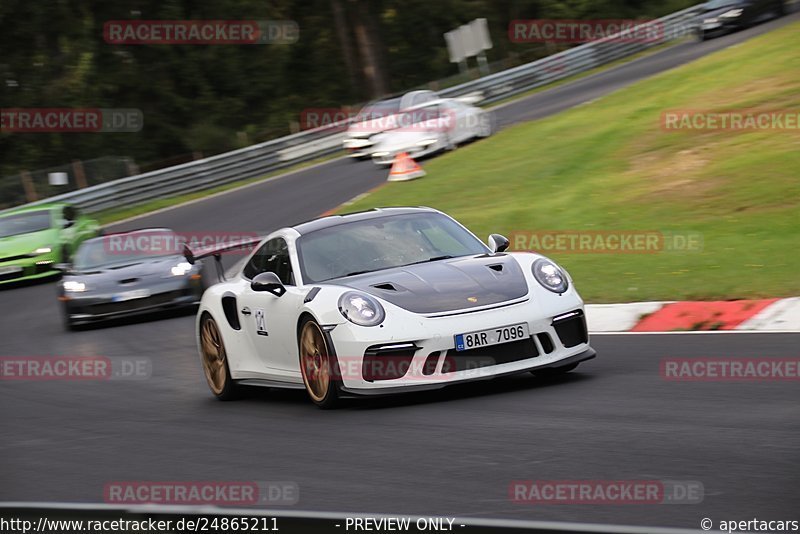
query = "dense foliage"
{"x": 208, "y": 99}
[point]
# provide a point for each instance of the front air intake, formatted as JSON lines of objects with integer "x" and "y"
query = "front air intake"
{"x": 571, "y": 328}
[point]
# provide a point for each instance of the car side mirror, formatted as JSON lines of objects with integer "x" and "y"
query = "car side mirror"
{"x": 498, "y": 243}
{"x": 268, "y": 282}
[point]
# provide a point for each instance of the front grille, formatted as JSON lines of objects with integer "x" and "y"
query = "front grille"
{"x": 571, "y": 329}
{"x": 13, "y": 276}
{"x": 14, "y": 258}
{"x": 546, "y": 341}
{"x": 387, "y": 362}
{"x": 44, "y": 267}
{"x": 486, "y": 356}
{"x": 130, "y": 305}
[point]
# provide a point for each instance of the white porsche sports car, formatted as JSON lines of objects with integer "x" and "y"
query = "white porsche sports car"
{"x": 431, "y": 127}
{"x": 384, "y": 301}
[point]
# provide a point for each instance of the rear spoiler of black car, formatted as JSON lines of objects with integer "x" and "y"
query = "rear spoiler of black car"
{"x": 216, "y": 251}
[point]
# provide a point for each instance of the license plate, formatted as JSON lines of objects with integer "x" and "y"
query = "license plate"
{"x": 10, "y": 270}
{"x": 131, "y": 295}
{"x": 492, "y": 336}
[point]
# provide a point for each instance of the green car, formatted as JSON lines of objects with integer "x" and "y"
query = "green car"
{"x": 34, "y": 240}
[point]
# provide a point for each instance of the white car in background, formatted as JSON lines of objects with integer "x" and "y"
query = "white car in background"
{"x": 378, "y": 117}
{"x": 431, "y": 127}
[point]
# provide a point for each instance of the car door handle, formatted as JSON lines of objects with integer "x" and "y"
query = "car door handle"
{"x": 245, "y": 311}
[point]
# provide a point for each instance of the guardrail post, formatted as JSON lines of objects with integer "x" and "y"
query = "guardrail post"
{"x": 80, "y": 174}
{"x": 30, "y": 188}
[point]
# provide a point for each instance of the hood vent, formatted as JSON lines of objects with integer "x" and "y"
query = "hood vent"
{"x": 496, "y": 267}
{"x": 128, "y": 280}
{"x": 387, "y": 286}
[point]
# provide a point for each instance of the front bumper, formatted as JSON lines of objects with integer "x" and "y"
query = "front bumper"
{"x": 29, "y": 268}
{"x": 87, "y": 309}
{"x": 587, "y": 354}
{"x": 719, "y": 27}
{"x": 381, "y": 156}
{"x": 430, "y": 361}
{"x": 357, "y": 147}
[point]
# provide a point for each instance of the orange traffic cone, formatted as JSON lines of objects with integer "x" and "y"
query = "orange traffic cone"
{"x": 404, "y": 168}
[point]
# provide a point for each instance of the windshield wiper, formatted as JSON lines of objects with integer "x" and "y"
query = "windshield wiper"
{"x": 354, "y": 273}
{"x": 435, "y": 258}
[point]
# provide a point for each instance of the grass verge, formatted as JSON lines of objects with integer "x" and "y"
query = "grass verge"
{"x": 610, "y": 167}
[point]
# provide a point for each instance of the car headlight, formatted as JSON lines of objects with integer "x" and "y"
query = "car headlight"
{"x": 361, "y": 309}
{"x": 550, "y": 275}
{"x": 710, "y": 21}
{"x": 733, "y": 13}
{"x": 181, "y": 269}
{"x": 42, "y": 250}
{"x": 73, "y": 286}
{"x": 427, "y": 142}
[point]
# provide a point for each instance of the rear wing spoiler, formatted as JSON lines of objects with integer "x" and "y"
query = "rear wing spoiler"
{"x": 192, "y": 256}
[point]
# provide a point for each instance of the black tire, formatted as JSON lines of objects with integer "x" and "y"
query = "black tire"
{"x": 214, "y": 359}
{"x": 317, "y": 360}
{"x": 555, "y": 371}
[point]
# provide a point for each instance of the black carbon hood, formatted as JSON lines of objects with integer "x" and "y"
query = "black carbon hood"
{"x": 445, "y": 285}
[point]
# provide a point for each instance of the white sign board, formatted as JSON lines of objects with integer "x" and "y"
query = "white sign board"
{"x": 58, "y": 178}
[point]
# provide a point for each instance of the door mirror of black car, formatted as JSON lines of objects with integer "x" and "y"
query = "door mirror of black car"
{"x": 498, "y": 243}
{"x": 268, "y": 282}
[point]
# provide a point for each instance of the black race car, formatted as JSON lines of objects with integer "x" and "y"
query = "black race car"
{"x": 126, "y": 274}
{"x": 722, "y": 16}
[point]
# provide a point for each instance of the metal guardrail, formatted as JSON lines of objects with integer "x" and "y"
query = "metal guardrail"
{"x": 263, "y": 158}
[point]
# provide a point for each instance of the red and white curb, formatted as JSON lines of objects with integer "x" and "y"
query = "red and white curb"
{"x": 765, "y": 315}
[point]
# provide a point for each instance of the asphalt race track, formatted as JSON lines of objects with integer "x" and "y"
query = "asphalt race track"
{"x": 450, "y": 452}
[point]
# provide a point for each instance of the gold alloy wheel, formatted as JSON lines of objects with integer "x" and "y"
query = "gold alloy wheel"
{"x": 213, "y": 353}
{"x": 314, "y": 361}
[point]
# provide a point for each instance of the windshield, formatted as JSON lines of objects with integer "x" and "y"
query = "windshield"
{"x": 378, "y": 110}
{"x": 115, "y": 249}
{"x": 382, "y": 243}
{"x": 24, "y": 223}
